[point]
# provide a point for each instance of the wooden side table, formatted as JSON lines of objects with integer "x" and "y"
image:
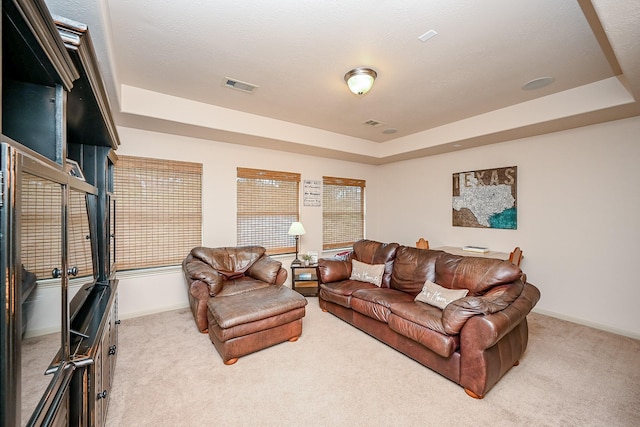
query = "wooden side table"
{"x": 304, "y": 279}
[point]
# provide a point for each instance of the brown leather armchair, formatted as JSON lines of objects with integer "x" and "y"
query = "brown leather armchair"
{"x": 224, "y": 271}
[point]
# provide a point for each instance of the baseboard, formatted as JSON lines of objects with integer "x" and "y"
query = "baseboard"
{"x": 155, "y": 310}
{"x": 594, "y": 325}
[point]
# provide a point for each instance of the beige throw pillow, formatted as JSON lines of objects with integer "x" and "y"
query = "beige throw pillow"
{"x": 371, "y": 273}
{"x": 438, "y": 296}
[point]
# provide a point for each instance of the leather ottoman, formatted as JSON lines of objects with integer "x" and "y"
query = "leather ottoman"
{"x": 247, "y": 322}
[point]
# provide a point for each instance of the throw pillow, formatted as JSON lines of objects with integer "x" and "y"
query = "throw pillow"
{"x": 438, "y": 296}
{"x": 371, "y": 273}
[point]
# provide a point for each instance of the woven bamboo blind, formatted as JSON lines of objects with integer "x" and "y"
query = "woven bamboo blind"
{"x": 267, "y": 204}
{"x": 158, "y": 211}
{"x": 342, "y": 211}
{"x": 41, "y": 228}
{"x": 40, "y": 225}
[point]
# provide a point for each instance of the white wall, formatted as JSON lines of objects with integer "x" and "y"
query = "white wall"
{"x": 577, "y": 212}
{"x": 578, "y": 216}
{"x": 143, "y": 294}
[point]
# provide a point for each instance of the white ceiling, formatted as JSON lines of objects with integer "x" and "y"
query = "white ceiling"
{"x": 461, "y": 88}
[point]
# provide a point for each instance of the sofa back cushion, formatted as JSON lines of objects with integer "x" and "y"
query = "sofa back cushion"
{"x": 372, "y": 252}
{"x": 474, "y": 273}
{"x": 229, "y": 261}
{"x": 412, "y": 267}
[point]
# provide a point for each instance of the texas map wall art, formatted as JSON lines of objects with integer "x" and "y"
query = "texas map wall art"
{"x": 486, "y": 198}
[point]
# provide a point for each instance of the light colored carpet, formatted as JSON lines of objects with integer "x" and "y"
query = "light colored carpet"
{"x": 167, "y": 374}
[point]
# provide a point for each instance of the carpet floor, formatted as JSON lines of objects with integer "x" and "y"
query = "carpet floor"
{"x": 168, "y": 374}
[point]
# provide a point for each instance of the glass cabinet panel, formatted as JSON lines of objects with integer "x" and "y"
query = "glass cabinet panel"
{"x": 79, "y": 240}
{"x": 40, "y": 216}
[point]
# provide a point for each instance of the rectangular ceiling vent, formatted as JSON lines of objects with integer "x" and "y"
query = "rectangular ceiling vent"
{"x": 373, "y": 123}
{"x": 238, "y": 85}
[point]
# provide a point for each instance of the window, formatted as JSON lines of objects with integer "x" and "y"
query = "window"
{"x": 158, "y": 211}
{"x": 342, "y": 211}
{"x": 267, "y": 205}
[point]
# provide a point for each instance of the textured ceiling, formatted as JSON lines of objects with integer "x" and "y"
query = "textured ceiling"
{"x": 297, "y": 52}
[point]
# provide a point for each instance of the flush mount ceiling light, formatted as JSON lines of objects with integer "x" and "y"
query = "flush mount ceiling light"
{"x": 360, "y": 80}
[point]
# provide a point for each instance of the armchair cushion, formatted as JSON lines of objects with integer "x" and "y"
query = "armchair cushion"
{"x": 265, "y": 269}
{"x": 229, "y": 259}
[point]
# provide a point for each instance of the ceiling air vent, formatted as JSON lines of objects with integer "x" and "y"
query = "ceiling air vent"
{"x": 373, "y": 123}
{"x": 238, "y": 85}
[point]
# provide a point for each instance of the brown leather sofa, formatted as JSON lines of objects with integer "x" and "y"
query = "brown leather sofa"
{"x": 473, "y": 341}
{"x": 237, "y": 295}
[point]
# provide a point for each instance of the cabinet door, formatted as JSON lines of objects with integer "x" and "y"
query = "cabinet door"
{"x": 101, "y": 391}
{"x": 40, "y": 222}
{"x": 113, "y": 337}
{"x": 80, "y": 258}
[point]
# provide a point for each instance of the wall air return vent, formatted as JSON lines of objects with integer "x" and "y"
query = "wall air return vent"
{"x": 373, "y": 123}
{"x": 238, "y": 85}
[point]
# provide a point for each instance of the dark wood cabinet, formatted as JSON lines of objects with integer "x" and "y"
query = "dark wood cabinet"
{"x": 58, "y": 318}
{"x": 91, "y": 387}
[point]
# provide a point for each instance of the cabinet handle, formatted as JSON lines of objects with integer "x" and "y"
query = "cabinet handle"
{"x": 117, "y": 322}
{"x": 102, "y": 395}
{"x": 112, "y": 350}
{"x": 56, "y": 272}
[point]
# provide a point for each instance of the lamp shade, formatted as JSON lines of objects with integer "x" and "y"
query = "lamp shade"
{"x": 360, "y": 80}
{"x": 296, "y": 229}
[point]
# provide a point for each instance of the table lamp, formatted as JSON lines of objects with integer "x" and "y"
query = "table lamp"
{"x": 296, "y": 229}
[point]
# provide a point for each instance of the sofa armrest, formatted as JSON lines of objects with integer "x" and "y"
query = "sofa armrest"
{"x": 282, "y": 277}
{"x": 265, "y": 269}
{"x": 483, "y": 332}
{"x": 456, "y": 314}
{"x": 333, "y": 270}
{"x": 491, "y": 344}
{"x": 199, "y": 293}
{"x": 195, "y": 269}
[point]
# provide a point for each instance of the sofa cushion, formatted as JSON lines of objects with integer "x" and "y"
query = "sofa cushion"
{"x": 372, "y": 252}
{"x": 474, "y": 273}
{"x": 371, "y": 273}
{"x": 420, "y": 313}
{"x": 442, "y": 344}
{"x": 376, "y": 302}
{"x": 412, "y": 267}
{"x": 340, "y": 292}
{"x": 438, "y": 296}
